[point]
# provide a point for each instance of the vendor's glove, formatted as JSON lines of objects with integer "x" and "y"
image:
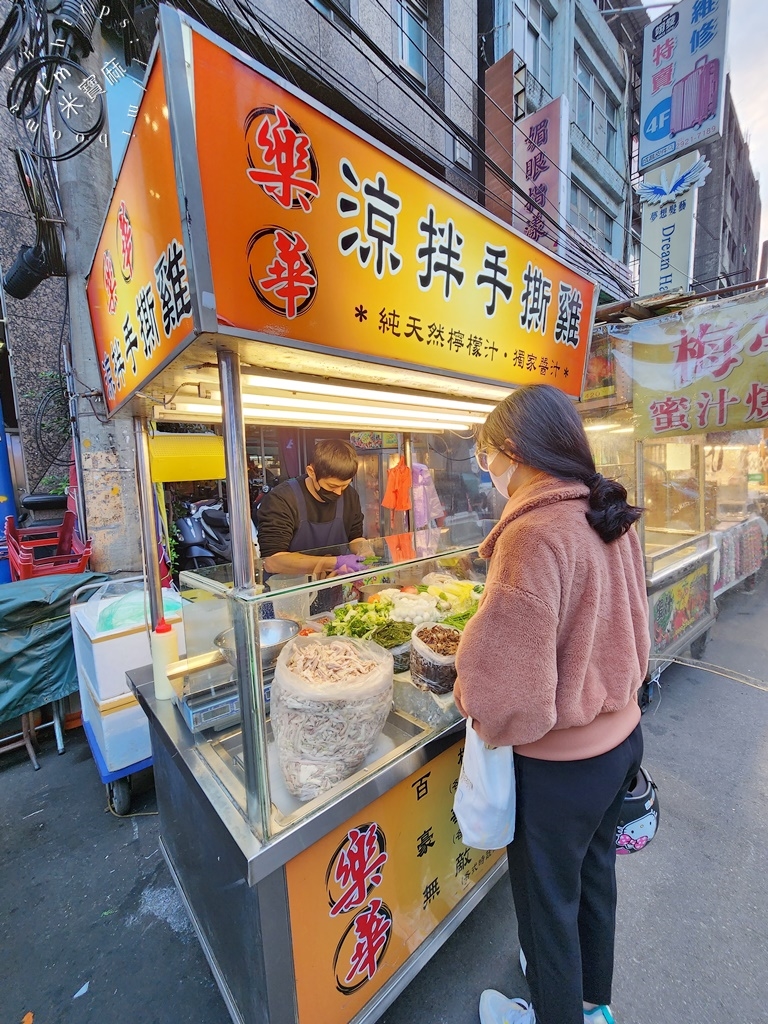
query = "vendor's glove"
{"x": 349, "y": 563}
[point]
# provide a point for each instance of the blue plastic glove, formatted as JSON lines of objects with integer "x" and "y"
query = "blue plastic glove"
{"x": 349, "y": 563}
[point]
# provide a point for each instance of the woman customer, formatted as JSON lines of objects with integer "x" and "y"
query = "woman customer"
{"x": 551, "y": 664}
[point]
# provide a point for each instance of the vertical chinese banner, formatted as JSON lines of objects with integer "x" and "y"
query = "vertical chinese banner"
{"x": 703, "y": 369}
{"x": 322, "y": 239}
{"x": 542, "y": 157}
{"x": 138, "y": 288}
{"x": 668, "y": 195}
{"x": 365, "y": 897}
{"x": 683, "y": 80}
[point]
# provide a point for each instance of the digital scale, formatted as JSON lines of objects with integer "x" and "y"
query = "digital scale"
{"x": 217, "y": 707}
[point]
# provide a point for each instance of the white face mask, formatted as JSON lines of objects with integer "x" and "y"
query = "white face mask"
{"x": 501, "y": 483}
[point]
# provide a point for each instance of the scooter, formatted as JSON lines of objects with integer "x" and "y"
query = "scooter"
{"x": 204, "y": 536}
{"x": 217, "y": 533}
{"x": 191, "y": 540}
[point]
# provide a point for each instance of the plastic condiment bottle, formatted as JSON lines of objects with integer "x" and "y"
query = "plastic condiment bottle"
{"x": 165, "y": 649}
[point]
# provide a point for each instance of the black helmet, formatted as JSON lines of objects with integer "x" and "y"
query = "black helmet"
{"x": 639, "y": 820}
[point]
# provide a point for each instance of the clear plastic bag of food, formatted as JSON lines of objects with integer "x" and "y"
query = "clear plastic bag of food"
{"x": 433, "y": 657}
{"x": 330, "y": 699}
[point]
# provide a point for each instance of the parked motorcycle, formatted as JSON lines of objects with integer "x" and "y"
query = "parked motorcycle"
{"x": 204, "y": 537}
{"x": 193, "y": 551}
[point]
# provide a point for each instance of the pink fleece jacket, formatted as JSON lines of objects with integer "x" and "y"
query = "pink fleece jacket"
{"x": 561, "y": 636}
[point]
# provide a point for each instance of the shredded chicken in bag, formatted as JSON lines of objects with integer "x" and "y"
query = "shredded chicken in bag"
{"x": 330, "y": 700}
{"x": 337, "y": 662}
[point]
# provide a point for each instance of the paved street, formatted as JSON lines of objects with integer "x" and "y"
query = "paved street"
{"x": 87, "y": 900}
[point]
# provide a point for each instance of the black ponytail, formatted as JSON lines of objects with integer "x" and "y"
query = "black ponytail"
{"x": 610, "y": 514}
{"x": 540, "y": 427}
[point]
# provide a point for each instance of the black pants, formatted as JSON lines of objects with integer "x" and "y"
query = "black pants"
{"x": 562, "y": 864}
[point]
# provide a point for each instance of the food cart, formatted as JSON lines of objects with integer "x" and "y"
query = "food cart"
{"x": 676, "y": 404}
{"x": 264, "y": 263}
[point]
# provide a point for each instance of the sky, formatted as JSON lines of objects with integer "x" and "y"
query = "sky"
{"x": 747, "y": 34}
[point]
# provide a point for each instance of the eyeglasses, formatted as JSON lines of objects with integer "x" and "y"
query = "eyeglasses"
{"x": 484, "y": 457}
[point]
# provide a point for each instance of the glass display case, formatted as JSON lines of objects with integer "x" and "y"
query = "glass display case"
{"x": 211, "y": 683}
{"x": 612, "y": 440}
{"x": 736, "y": 511}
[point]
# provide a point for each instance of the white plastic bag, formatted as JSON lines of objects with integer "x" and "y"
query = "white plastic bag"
{"x": 484, "y": 803}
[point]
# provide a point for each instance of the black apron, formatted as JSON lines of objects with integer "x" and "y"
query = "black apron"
{"x": 313, "y": 536}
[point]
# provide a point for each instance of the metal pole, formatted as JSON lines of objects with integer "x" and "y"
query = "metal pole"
{"x": 640, "y": 490}
{"x": 76, "y": 447}
{"x": 148, "y": 521}
{"x": 410, "y": 519}
{"x": 244, "y": 611}
{"x": 236, "y": 461}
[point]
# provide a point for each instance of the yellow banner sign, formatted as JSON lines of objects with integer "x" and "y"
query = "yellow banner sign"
{"x": 365, "y": 897}
{"x": 319, "y": 237}
{"x": 139, "y": 292}
{"x": 701, "y": 370}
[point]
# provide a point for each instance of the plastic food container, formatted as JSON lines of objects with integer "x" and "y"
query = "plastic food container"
{"x": 401, "y": 656}
{"x": 430, "y": 670}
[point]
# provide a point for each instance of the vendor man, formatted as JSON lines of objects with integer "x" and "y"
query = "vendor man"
{"x": 319, "y": 511}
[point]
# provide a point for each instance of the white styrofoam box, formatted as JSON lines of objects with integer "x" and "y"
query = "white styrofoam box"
{"x": 105, "y": 658}
{"x": 119, "y": 725}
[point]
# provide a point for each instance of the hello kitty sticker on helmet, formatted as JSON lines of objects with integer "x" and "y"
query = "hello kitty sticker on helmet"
{"x": 639, "y": 820}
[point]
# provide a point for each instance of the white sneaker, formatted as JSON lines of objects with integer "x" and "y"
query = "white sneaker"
{"x": 495, "y": 1008}
{"x": 600, "y": 1015}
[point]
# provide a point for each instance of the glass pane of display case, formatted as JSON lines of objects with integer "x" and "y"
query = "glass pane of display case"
{"x": 612, "y": 439}
{"x": 675, "y": 499}
{"x": 735, "y": 466}
{"x": 346, "y": 689}
{"x": 734, "y": 471}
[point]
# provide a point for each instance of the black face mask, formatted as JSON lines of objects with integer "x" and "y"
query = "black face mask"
{"x": 329, "y": 496}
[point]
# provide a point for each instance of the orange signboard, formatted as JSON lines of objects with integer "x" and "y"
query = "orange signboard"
{"x": 367, "y": 895}
{"x": 321, "y": 238}
{"x": 138, "y": 289}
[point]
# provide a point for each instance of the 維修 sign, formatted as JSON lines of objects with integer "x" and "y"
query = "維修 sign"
{"x": 683, "y": 79}
{"x": 139, "y": 291}
{"x": 701, "y": 370}
{"x": 668, "y": 195}
{"x": 367, "y": 895}
{"x": 542, "y": 153}
{"x": 319, "y": 237}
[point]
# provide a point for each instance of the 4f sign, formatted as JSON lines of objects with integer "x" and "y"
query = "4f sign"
{"x": 683, "y": 80}
{"x": 657, "y": 123}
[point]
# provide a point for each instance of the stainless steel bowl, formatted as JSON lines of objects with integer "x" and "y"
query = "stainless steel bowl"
{"x": 369, "y": 589}
{"x": 274, "y": 634}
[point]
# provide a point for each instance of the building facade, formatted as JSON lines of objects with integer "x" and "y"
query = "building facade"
{"x": 534, "y": 51}
{"x": 728, "y": 213}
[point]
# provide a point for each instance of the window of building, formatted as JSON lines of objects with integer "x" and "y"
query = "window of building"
{"x": 634, "y": 262}
{"x": 523, "y": 26}
{"x": 413, "y": 38}
{"x": 328, "y": 11}
{"x": 596, "y": 113}
{"x": 587, "y": 216}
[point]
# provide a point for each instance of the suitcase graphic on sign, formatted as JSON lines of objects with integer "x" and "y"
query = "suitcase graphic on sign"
{"x": 694, "y": 98}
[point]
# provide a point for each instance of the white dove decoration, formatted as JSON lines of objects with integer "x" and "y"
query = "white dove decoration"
{"x": 664, "y": 192}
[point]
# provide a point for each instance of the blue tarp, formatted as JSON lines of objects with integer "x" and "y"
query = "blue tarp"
{"x": 37, "y": 656}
